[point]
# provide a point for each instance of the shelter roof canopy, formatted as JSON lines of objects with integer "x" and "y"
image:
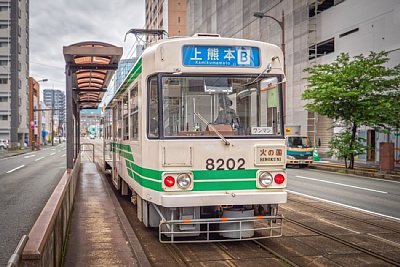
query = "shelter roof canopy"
{"x": 92, "y": 65}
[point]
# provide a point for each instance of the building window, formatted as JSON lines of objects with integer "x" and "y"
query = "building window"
{"x": 4, "y": 62}
{"x": 3, "y": 117}
{"x": 3, "y": 81}
{"x": 321, "y": 49}
{"x": 179, "y": 19}
{"x": 348, "y": 32}
{"x": 3, "y": 44}
{"x": 319, "y": 6}
{"x": 3, "y": 98}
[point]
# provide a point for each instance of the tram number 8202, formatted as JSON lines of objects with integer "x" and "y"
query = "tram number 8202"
{"x": 221, "y": 164}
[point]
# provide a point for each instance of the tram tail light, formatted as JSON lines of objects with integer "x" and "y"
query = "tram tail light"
{"x": 279, "y": 178}
{"x": 169, "y": 181}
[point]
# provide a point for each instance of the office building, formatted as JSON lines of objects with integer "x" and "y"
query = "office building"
{"x": 55, "y": 99}
{"x": 168, "y": 15}
{"x": 14, "y": 71}
{"x": 315, "y": 31}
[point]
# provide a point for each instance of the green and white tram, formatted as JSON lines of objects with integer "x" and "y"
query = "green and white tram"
{"x": 195, "y": 134}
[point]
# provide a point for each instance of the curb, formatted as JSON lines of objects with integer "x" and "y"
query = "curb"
{"x": 372, "y": 174}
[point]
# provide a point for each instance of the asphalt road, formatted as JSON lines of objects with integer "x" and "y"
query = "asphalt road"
{"x": 26, "y": 183}
{"x": 368, "y": 194}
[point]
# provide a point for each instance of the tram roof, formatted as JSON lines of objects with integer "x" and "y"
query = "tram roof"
{"x": 91, "y": 65}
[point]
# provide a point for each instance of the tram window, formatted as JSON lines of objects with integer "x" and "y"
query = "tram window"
{"x": 153, "y": 108}
{"x": 114, "y": 125}
{"x": 237, "y": 106}
{"x": 125, "y": 118}
{"x": 119, "y": 122}
{"x": 134, "y": 114}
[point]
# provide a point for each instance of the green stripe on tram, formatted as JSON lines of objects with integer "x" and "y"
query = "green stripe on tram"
{"x": 207, "y": 180}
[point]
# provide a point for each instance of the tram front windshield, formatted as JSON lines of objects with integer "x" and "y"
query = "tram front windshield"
{"x": 233, "y": 106}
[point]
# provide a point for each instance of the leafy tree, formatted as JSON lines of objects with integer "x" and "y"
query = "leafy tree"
{"x": 355, "y": 91}
{"x": 339, "y": 146}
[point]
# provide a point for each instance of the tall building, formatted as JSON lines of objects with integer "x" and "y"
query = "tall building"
{"x": 168, "y": 15}
{"x": 315, "y": 31}
{"x": 14, "y": 71}
{"x": 124, "y": 67}
{"x": 55, "y": 99}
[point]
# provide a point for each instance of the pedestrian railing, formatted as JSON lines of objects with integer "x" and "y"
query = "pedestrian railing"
{"x": 14, "y": 259}
{"x": 84, "y": 148}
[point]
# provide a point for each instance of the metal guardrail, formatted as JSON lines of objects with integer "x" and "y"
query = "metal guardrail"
{"x": 262, "y": 226}
{"x": 88, "y": 144}
{"x": 14, "y": 259}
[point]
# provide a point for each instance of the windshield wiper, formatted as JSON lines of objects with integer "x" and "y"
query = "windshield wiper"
{"x": 212, "y": 128}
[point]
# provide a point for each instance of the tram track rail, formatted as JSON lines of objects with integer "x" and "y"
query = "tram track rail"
{"x": 176, "y": 254}
{"x": 350, "y": 217}
{"x": 344, "y": 242}
{"x": 230, "y": 259}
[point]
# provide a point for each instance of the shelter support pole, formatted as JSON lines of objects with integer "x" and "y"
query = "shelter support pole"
{"x": 70, "y": 123}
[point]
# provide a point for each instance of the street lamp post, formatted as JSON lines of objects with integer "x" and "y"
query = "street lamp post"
{"x": 32, "y": 109}
{"x": 281, "y": 24}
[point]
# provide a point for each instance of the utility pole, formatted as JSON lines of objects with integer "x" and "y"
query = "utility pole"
{"x": 52, "y": 118}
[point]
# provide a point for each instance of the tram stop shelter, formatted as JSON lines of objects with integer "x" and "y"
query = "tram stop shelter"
{"x": 89, "y": 69}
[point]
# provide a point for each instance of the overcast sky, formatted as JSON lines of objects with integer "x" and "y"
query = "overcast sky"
{"x": 58, "y": 23}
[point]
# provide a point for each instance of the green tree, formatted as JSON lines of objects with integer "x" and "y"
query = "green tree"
{"x": 339, "y": 146}
{"x": 353, "y": 91}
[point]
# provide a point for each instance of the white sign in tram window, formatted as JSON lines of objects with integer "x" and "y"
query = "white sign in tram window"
{"x": 261, "y": 130}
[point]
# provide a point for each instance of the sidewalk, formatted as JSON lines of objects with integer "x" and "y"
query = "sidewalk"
{"x": 6, "y": 153}
{"x": 96, "y": 236}
{"x": 369, "y": 169}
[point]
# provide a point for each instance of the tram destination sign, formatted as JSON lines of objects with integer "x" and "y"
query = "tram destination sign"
{"x": 220, "y": 56}
{"x": 269, "y": 155}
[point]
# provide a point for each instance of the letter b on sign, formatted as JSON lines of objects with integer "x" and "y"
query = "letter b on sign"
{"x": 243, "y": 57}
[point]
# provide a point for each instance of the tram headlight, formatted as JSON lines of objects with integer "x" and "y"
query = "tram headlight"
{"x": 265, "y": 179}
{"x": 184, "y": 181}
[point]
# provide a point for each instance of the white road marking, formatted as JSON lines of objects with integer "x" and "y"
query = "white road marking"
{"x": 63, "y": 155}
{"x": 385, "y": 240}
{"x": 39, "y": 158}
{"x": 52, "y": 154}
{"x": 346, "y": 185}
{"x": 30, "y": 156}
{"x": 344, "y": 205}
{"x": 53, "y": 149}
{"x": 325, "y": 221}
{"x": 19, "y": 167}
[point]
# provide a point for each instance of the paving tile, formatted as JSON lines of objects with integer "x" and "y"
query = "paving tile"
{"x": 96, "y": 237}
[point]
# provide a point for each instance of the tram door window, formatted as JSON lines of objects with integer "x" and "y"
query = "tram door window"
{"x": 134, "y": 113}
{"x": 153, "y": 108}
{"x": 125, "y": 123}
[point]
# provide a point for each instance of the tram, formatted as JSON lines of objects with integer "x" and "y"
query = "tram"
{"x": 195, "y": 135}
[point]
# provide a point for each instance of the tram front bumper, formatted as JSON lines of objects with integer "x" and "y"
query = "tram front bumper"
{"x": 217, "y": 198}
